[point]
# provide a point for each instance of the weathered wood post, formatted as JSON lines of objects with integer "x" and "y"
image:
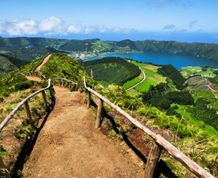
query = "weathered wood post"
{"x": 52, "y": 93}
{"x": 152, "y": 161}
{"x": 62, "y": 82}
{"x": 88, "y": 99}
{"x": 28, "y": 111}
{"x": 91, "y": 73}
{"x": 99, "y": 113}
{"x": 44, "y": 99}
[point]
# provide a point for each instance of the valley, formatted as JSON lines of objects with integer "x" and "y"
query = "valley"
{"x": 109, "y": 89}
{"x": 180, "y": 103}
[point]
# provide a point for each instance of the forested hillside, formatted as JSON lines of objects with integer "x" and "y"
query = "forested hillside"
{"x": 30, "y": 48}
{"x": 8, "y": 63}
{"x": 112, "y": 70}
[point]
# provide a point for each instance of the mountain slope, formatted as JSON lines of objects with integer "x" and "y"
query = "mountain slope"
{"x": 112, "y": 70}
{"x": 8, "y": 63}
{"x": 30, "y": 48}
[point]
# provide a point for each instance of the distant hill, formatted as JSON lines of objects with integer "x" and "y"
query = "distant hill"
{"x": 8, "y": 63}
{"x": 201, "y": 50}
{"x": 79, "y": 45}
{"x": 30, "y": 42}
{"x": 30, "y": 48}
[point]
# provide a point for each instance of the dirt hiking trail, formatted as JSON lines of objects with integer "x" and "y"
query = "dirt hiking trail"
{"x": 69, "y": 146}
{"x": 45, "y": 60}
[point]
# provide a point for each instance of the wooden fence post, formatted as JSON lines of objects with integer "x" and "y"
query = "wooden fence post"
{"x": 152, "y": 161}
{"x": 44, "y": 99}
{"x": 99, "y": 113}
{"x": 88, "y": 99}
{"x": 62, "y": 82}
{"x": 28, "y": 111}
{"x": 52, "y": 93}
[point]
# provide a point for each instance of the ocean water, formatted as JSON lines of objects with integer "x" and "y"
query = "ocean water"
{"x": 178, "y": 61}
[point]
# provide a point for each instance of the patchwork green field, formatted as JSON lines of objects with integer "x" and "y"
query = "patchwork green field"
{"x": 152, "y": 77}
{"x": 197, "y": 70}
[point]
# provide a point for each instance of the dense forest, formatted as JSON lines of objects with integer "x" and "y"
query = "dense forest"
{"x": 112, "y": 70}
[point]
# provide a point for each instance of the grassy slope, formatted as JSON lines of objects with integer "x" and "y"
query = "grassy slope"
{"x": 111, "y": 70}
{"x": 8, "y": 63}
{"x": 195, "y": 138}
{"x": 197, "y": 70}
{"x": 62, "y": 66}
{"x": 19, "y": 129}
{"x": 152, "y": 77}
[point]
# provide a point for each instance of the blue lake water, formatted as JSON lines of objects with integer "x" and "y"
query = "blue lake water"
{"x": 177, "y": 61}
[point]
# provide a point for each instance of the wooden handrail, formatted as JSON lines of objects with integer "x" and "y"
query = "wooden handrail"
{"x": 67, "y": 80}
{"x": 23, "y": 102}
{"x": 65, "y": 83}
{"x": 159, "y": 140}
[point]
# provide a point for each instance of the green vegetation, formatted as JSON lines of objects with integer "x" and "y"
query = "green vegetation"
{"x": 186, "y": 112}
{"x": 62, "y": 66}
{"x": 16, "y": 80}
{"x": 186, "y": 129}
{"x": 132, "y": 82}
{"x": 203, "y": 50}
{"x": 161, "y": 97}
{"x": 112, "y": 70}
{"x": 170, "y": 72}
{"x": 197, "y": 70}
{"x": 80, "y": 45}
{"x": 8, "y": 63}
{"x": 31, "y": 48}
{"x": 152, "y": 77}
{"x": 9, "y": 81}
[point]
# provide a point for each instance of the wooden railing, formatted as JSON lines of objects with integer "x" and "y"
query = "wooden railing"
{"x": 25, "y": 103}
{"x": 63, "y": 82}
{"x": 160, "y": 143}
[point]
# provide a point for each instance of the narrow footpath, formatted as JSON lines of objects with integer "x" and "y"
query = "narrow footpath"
{"x": 69, "y": 146}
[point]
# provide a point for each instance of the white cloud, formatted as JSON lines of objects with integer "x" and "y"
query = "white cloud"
{"x": 25, "y": 27}
{"x": 54, "y": 25}
{"x": 74, "y": 29}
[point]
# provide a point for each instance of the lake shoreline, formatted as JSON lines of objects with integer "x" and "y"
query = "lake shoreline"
{"x": 159, "y": 59}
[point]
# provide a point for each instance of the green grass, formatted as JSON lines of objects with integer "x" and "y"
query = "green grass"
{"x": 132, "y": 82}
{"x": 197, "y": 70}
{"x": 202, "y": 94}
{"x": 206, "y": 94}
{"x": 146, "y": 85}
{"x": 152, "y": 77}
{"x": 62, "y": 66}
{"x": 191, "y": 120}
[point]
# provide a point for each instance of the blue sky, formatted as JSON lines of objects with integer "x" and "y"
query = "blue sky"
{"x": 110, "y": 19}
